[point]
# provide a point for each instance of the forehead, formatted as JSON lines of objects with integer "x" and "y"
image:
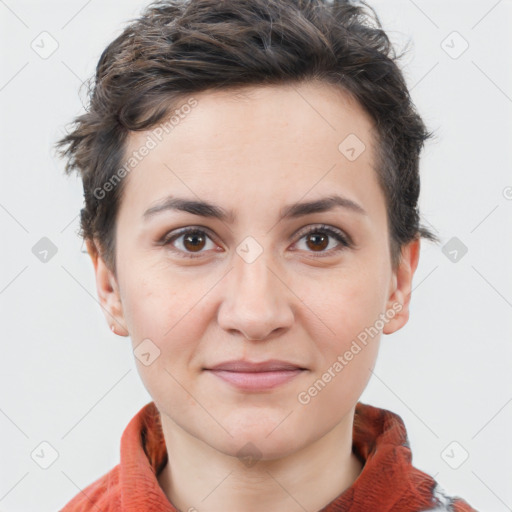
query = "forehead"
{"x": 280, "y": 139}
{"x": 305, "y": 113}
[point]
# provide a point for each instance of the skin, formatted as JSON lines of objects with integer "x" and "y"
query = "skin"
{"x": 299, "y": 301}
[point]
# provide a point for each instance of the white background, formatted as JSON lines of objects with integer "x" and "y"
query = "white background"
{"x": 67, "y": 380}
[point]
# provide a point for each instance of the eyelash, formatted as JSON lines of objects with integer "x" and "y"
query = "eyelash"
{"x": 338, "y": 235}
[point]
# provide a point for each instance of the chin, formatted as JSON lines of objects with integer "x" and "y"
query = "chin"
{"x": 257, "y": 447}
{"x": 265, "y": 440}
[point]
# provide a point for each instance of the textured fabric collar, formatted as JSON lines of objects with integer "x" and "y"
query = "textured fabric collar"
{"x": 388, "y": 481}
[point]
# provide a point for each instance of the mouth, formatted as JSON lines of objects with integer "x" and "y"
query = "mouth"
{"x": 256, "y": 376}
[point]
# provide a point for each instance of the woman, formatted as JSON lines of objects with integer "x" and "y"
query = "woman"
{"x": 251, "y": 182}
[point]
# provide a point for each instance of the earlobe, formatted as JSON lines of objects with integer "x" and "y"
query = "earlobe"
{"x": 400, "y": 293}
{"x": 108, "y": 291}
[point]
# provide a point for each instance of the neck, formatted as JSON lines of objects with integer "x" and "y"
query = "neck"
{"x": 198, "y": 477}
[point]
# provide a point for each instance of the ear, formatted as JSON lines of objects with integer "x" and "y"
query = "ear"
{"x": 400, "y": 288}
{"x": 108, "y": 290}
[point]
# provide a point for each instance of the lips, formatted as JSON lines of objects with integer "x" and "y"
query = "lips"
{"x": 251, "y": 376}
{"x": 272, "y": 365}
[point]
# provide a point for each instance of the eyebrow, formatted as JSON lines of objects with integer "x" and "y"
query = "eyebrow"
{"x": 205, "y": 209}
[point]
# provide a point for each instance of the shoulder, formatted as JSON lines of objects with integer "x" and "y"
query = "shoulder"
{"x": 102, "y": 494}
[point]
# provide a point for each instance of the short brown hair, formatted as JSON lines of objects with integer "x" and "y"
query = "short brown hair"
{"x": 180, "y": 47}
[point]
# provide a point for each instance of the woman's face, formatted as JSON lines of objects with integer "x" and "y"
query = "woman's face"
{"x": 254, "y": 285}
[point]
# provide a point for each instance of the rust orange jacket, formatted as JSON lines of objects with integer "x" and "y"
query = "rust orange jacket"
{"x": 387, "y": 483}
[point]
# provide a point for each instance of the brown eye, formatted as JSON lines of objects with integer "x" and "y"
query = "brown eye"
{"x": 189, "y": 242}
{"x": 317, "y": 240}
{"x": 194, "y": 241}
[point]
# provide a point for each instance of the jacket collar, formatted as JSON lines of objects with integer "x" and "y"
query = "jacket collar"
{"x": 388, "y": 481}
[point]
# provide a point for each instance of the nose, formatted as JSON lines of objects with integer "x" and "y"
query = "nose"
{"x": 257, "y": 301}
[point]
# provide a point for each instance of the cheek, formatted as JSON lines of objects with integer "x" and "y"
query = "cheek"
{"x": 346, "y": 304}
{"x": 164, "y": 320}
{"x": 351, "y": 306}
{"x": 346, "y": 358}
{"x": 345, "y": 352}
{"x": 173, "y": 327}
{"x": 159, "y": 304}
